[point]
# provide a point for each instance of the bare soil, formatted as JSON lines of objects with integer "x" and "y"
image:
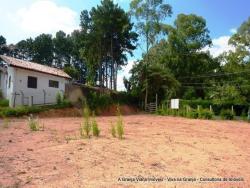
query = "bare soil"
{"x": 154, "y": 146}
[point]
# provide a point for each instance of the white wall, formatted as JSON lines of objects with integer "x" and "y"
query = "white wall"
{"x": 3, "y": 83}
{"x": 20, "y": 85}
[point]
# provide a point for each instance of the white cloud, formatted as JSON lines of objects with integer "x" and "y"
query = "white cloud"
{"x": 124, "y": 73}
{"x": 45, "y": 16}
{"x": 29, "y": 18}
{"x": 220, "y": 45}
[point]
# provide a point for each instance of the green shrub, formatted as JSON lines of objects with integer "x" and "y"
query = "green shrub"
{"x": 59, "y": 98}
{"x": 97, "y": 101}
{"x": 113, "y": 130}
{"x": 205, "y": 114}
{"x": 227, "y": 114}
{"x": 1, "y": 94}
{"x": 4, "y": 102}
{"x": 119, "y": 124}
{"x": 85, "y": 126}
{"x": 33, "y": 123}
{"x": 95, "y": 128}
{"x": 193, "y": 114}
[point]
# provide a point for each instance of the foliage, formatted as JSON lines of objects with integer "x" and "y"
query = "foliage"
{"x": 97, "y": 100}
{"x": 119, "y": 125}
{"x": 2, "y": 45}
{"x": 227, "y": 114}
{"x": 33, "y": 123}
{"x": 194, "y": 114}
{"x": 95, "y": 128}
{"x": 205, "y": 114}
{"x": 86, "y": 125}
{"x": 113, "y": 130}
{"x": 4, "y": 102}
{"x": 1, "y": 94}
{"x": 108, "y": 36}
{"x": 26, "y": 110}
{"x": 59, "y": 98}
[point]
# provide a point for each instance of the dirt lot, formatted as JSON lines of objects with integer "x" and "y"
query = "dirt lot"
{"x": 154, "y": 146}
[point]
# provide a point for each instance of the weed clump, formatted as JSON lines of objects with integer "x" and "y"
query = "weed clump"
{"x": 33, "y": 123}
{"x": 85, "y": 126}
{"x": 95, "y": 128}
{"x": 113, "y": 130}
{"x": 6, "y": 123}
{"x": 119, "y": 124}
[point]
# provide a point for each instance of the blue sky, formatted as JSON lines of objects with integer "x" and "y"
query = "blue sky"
{"x": 29, "y": 18}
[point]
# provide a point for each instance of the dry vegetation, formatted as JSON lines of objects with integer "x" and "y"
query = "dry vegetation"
{"x": 152, "y": 146}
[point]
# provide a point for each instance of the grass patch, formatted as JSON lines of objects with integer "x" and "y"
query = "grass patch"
{"x": 4, "y": 103}
{"x": 113, "y": 130}
{"x": 119, "y": 124}
{"x": 95, "y": 129}
{"x": 33, "y": 123}
{"x": 227, "y": 114}
{"x": 26, "y": 110}
{"x": 6, "y": 123}
{"x": 85, "y": 127}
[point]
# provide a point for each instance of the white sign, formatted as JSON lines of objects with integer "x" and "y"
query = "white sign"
{"x": 174, "y": 103}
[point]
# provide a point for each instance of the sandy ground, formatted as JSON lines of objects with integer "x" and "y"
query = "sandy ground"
{"x": 155, "y": 147}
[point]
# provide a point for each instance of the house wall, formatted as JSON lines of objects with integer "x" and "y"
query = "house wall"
{"x": 20, "y": 94}
{"x": 3, "y": 82}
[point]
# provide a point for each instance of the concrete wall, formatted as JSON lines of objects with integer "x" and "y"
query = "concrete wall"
{"x": 20, "y": 94}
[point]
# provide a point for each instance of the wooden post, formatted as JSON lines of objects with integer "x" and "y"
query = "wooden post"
{"x": 232, "y": 109}
{"x": 210, "y": 107}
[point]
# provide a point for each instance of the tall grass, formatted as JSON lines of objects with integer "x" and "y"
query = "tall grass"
{"x": 85, "y": 127}
{"x": 119, "y": 124}
{"x": 33, "y": 123}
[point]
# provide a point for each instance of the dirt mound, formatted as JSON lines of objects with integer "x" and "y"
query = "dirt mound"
{"x": 66, "y": 112}
{"x": 77, "y": 112}
{"x": 125, "y": 110}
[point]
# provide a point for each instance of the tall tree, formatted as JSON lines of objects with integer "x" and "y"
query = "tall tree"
{"x": 62, "y": 48}
{"x": 150, "y": 15}
{"x": 2, "y": 44}
{"x": 108, "y": 38}
{"x": 43, "y": 49}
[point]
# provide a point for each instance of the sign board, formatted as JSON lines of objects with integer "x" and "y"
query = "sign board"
{"x": 174, "y": 103}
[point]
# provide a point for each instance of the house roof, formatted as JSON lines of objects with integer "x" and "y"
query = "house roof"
{"x": 33, "y": 66}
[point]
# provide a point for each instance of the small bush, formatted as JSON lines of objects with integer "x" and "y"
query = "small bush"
{"x": 4, "y": 102}
{"x": 95, "y": 128}
{"x": 1, "y": 94}
{"x": 59, "y": 98}
{"x": 113, "y": 130}
{"x": 193, "y": 114}
{"x": 33, "y": 123}
{"x": 85, "y": 126}
{"x": 119, "y": 125}
{"x": 227, "y": 114}
{"x": 205, "y": 114}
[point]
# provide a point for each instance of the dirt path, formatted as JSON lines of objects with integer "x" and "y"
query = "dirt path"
{"x": 154, "y": 147}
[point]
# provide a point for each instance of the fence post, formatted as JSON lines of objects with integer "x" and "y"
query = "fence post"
{"x": 232, "y": 109}
{"x": 210, "y": 107}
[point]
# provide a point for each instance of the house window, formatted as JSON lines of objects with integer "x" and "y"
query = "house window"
{"x": 53, "y": 83}
{"x": 32, "y": 82}
{"x": 9, "y": 81}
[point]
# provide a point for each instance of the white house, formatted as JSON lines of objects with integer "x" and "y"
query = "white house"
{"x": 27, "y": 83}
